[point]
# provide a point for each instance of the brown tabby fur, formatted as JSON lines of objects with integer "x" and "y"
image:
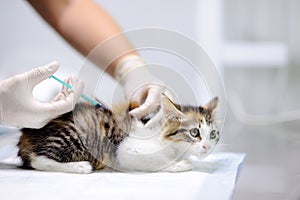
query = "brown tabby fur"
{"x": 85, "y": 134}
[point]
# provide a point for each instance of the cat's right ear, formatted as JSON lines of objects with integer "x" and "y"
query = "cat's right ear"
{"x": 212, "y": 104}
{"x": 169, "y": 108}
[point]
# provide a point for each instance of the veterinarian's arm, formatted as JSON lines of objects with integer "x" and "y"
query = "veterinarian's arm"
{"x": 85, "y": 24}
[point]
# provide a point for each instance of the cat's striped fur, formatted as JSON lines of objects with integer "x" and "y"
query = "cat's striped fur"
{"x": 85, "y": 134}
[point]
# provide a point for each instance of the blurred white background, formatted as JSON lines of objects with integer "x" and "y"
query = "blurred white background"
{"x": 255, "y": 44}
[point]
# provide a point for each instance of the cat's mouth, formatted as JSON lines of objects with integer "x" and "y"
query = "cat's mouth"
{"x": 145, "y": 119}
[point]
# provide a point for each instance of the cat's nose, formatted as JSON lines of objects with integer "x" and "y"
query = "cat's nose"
{"x": 206, "y": 146}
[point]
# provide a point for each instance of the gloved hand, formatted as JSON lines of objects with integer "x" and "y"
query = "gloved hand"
{"x": 19, "y": 108}
{"x": 141, "y": 88}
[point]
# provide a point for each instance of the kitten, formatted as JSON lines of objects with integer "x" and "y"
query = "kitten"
{"x": 92, "y": 138}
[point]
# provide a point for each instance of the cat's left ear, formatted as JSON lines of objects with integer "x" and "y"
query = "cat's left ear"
{"x": 212, "y": 104}
{"x": 169, "y": 108}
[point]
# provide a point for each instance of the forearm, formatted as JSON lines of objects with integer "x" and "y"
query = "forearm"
{"x": 84, "y": 24}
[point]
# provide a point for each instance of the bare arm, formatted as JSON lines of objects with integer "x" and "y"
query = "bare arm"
{"x": 84, "y": 24}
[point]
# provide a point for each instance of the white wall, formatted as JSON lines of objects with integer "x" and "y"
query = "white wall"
{"x": 265, "y": 21}
{"x": 294, "y": 32}
{"x": 256, "y": 20}
{"x": 26, "y": 41}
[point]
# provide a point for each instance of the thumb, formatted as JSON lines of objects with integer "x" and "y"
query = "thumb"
{"x": 39, "y": 74}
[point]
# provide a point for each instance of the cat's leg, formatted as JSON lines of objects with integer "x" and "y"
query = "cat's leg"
{"x": 180, "y": 166}
{"x": 46, "y": 164}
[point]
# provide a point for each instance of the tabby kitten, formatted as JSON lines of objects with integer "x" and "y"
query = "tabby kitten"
{"x": 92, "y": 138}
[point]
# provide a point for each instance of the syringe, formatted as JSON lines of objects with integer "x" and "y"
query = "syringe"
{"x": 92, "y": 101}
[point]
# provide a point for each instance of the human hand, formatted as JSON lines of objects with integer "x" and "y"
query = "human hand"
{"x": 141, "y": 88}
{"x": 19, "y": 108}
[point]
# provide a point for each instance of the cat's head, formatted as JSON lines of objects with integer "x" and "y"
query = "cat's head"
{"x": 191, "y": 124}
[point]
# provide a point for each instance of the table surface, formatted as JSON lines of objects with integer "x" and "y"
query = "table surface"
{"x": 213, "y": 178}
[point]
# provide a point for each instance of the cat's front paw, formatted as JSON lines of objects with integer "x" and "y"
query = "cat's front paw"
{"x": 82, "y": 167}
{"x": 181, "y": 166}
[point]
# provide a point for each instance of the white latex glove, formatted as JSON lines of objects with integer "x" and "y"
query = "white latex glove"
{"x": 141, "y": 87}
{"x": 19, "y": 108}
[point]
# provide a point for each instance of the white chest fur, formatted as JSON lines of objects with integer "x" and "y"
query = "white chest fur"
{"x": 147, "y": 151}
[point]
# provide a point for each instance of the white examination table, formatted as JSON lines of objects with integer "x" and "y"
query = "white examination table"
{"x": 216, "y": 181}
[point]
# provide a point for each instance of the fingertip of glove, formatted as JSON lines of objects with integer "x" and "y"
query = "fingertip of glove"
{"x": 80, "y": 87}
{"x": 53, "y": 66}
{"x": 135, "y": 113}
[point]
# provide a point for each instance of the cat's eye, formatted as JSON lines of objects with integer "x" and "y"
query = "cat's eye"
{"x": 195, "y": 132}
{"x": 213, "y": 134}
